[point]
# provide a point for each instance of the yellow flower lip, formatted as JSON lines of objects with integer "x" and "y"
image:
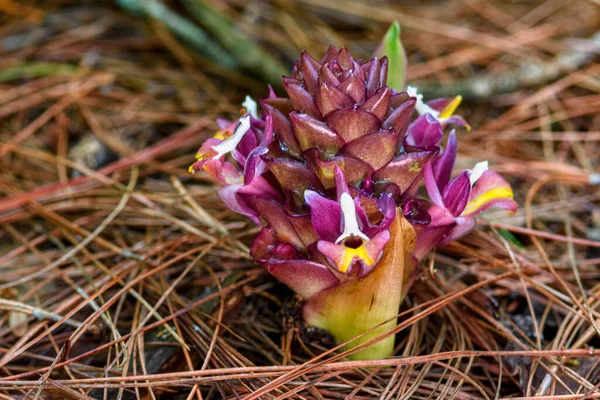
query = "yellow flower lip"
{"x": 350, "y": 253}
{"x": 495, "y": 193}
{"x": 449, "y": 110}
{"x": 221, "y": 135}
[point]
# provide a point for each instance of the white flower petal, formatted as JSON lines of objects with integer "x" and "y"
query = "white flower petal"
{"x": 477, "y": 171}
{"x": 413, "y": 92}
{"x": 229, "y": 144}
{"x": 250, "y": 105}
{"x": 421, "y": 106}
{"x": 350, "y": 221}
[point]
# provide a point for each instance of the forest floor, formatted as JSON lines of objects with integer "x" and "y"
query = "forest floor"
{"x": 124, "y": 276}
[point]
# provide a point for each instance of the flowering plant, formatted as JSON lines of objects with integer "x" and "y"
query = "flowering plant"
{"x": 333, "y": 174}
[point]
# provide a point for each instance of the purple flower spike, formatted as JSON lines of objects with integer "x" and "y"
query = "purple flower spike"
{"x": 333, "y": 173}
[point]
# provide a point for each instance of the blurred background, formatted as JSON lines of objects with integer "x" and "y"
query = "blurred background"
{"x": 100, "y": 96}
